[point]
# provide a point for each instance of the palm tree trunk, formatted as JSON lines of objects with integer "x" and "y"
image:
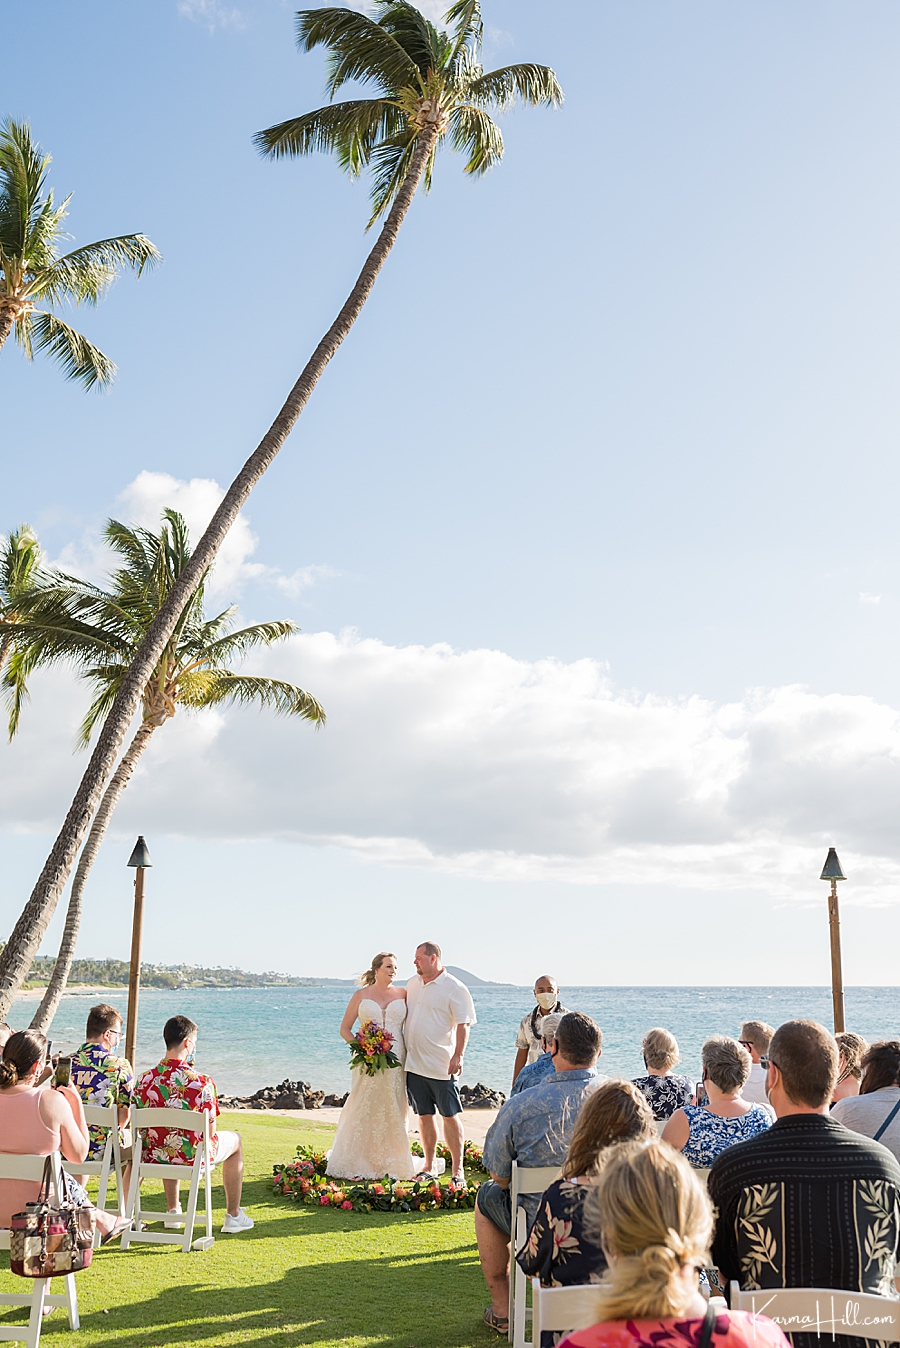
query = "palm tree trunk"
{"x": 25, "y": 938}
{"x": 7, "y": 318}
{"x": 56, "y": 987}
{"x": 5, "y": 646}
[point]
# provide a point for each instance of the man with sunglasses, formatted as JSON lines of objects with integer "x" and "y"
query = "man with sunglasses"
{"x": 756, "y": 1036}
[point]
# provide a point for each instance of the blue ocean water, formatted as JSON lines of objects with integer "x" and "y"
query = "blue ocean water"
{"x": 253, "y": 1037}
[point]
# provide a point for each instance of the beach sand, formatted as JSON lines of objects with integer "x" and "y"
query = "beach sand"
{"x": 476, "y": 1122}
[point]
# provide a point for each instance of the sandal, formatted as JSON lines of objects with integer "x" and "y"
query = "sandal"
{"x": 498, "y": 1322}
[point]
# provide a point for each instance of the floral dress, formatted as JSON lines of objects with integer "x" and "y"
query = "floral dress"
{"x": 557, "y": 1250}
{"x": 732, "y": 1329}
{"x": 712, "y": 1134}
{"x": 665, "y": 1094}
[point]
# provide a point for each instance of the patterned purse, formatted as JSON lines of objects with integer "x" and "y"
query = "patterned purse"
{"x": 46, "y": 1242}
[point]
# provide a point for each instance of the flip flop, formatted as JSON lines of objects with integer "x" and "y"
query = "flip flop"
{"x": 498, "y": 1322}
{"x": 427, "y": 1175}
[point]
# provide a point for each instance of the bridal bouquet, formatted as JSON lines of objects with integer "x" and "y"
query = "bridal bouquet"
{"x": 372, "y": 1050}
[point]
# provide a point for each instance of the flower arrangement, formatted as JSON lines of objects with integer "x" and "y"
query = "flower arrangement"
{"x": 304, "y": 1180}
{"x": 371, "y": 1050}
{"x": 473, "y": 1156}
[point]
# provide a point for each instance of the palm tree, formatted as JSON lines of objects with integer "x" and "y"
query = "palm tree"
{"x": 32, "y": 270}
{"x": 20, "y": 564}
{"x": 424, "y": 77}
{"x": 65, "y": 620}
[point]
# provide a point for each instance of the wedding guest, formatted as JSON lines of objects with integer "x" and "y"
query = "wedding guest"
{"x": 175, "y": 1084}
{"x": 616, "y": 1112}
{"x": 756, "y": 1036}
{"x": 807, "y": 1203}
{"x": 533, "y": 1072}
{"x": 654, "y": 1221}
{"x": 101, "y": 1078}
{"x": 875, "y": 1112}
{"x": 36, "y": 1122}
{"x": 701, "y": 1132}
{"x": 665, "y": 1092}
{"x": 528, "y": 1038}
{"x": 851, "y": 1048}
{"x": 534, "y": 1129}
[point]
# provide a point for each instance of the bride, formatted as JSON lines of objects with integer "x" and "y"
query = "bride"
{"x": 371, "y": 1139}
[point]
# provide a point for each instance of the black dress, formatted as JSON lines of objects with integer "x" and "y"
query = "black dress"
{"x": 557, "y": 1250}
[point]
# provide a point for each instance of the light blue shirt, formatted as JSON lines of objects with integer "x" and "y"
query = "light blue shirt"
{"x": 533, "y": 1073}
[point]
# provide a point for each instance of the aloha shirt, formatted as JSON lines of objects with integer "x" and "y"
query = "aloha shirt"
{"x": 104, "y": 1080}
{"x": 176, "y": 1085}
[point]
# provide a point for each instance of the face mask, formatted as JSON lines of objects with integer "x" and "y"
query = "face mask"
{"x": 546, "y": 1000}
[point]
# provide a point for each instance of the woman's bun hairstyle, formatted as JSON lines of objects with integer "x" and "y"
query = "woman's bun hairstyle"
{"x": 20, "y": 1052}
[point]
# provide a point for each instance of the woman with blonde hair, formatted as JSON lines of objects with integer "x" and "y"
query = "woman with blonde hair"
{"x": 372, "y": 1140}
{"x": 654, "y": 1221}
{"x": 664, "y": 1091}
{"x": 614, "y": 1112}
{"x": 852, "y": 1049}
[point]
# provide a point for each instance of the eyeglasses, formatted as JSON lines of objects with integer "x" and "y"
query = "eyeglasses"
{"x": 746, "y": 1043}
{"x": 766, "y": 1062}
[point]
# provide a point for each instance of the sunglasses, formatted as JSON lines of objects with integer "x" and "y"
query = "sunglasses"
{"x": 766, "y": 1062}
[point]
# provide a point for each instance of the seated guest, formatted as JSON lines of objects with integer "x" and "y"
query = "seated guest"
{"x": 534, "y": 1129}
{"x": 875, "y": 1112}
{"x": 654, "y": 1221}
{"x": 175, "y": 1084}
{"x": 701, "y": 1132}
{"x": 533, "y": 1072}
{"x": 528, "y": 1039}
{"x": 665, "y": 1093}
{"x": 616, "y": 1112}
{"x": 756, "y": 1036}
{"x": 36, "y": 1122}
{"x": 807, "y": 1203}
{"x": 100, "y": 1078}
{"x": 851, "y": 1048}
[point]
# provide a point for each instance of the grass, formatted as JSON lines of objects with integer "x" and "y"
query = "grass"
{"x": 303, "y": 1276}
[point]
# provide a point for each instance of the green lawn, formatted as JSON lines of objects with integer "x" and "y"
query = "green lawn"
{"x": 302, "y": 1276}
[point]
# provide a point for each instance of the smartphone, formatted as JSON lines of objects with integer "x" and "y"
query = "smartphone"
{"x": 62, "y": 1071}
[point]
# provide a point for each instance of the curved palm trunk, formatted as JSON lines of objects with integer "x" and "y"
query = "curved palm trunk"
{"x": 5, "y": 648}
{"x": 7, "y": 318}
{"x": 118, "y": 782}
{"x": 26, "y": 936}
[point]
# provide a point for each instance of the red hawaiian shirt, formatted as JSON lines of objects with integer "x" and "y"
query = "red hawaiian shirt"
{"x": 176, "y": 1085}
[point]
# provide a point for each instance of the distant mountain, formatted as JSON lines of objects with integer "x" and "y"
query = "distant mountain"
{"x": 472, "y": 981}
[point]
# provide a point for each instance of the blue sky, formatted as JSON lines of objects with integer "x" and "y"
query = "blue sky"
{"x": 628, "y": 404}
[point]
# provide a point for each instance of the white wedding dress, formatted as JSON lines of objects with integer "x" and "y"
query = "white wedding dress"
{"x": 371, "y": 1139}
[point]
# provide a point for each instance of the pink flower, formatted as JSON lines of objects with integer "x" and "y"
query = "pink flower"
{"x": 399, "y": 1193}
{"x": 379, "y": 1188}
{"x": 323, "y": 1201}
{"x": 347, "y": 1205}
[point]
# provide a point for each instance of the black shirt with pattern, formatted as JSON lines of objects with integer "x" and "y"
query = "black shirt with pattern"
{"x": 808, "y": 1203}
{"x": 666, "y": 1094}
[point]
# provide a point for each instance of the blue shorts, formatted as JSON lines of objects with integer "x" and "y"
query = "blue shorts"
{"x": 495, "y": 1203}
{"x": 426, "y": 1094}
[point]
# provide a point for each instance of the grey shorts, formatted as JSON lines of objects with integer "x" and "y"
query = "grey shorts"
{"x": 426, "y": 1094}
{"x": 495, "y": 1203}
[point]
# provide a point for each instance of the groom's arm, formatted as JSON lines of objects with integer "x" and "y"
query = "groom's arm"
{"x": 462, "y": 1038}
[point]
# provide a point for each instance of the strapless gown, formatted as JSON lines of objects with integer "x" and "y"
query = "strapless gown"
{"x": 371, "y": 1139}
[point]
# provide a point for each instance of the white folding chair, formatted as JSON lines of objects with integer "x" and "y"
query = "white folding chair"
{"x": 185, "y": 1121}
{"x": 823, "y": 1310}
{"x": 102, "y": 1116}
{"x": 532, "y": 1180}
{"x": 562, "y": 1309}
{"x": 38, "y": 1296}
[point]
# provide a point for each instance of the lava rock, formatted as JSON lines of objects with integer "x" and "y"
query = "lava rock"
{"x": 289, "y": 1095}
{"x": 336, "y": 1101}
{"x": 480, "y": 1096}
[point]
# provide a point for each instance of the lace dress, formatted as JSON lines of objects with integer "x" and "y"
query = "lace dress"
{"x": 371, "y": 1139}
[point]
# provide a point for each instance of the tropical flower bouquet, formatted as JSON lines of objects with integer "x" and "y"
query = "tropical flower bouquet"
{"x": 304, "y": 1180}
{"x": 371, "y": 1051}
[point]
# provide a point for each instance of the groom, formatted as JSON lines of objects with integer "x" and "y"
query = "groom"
{"x": 437, "y": 1030}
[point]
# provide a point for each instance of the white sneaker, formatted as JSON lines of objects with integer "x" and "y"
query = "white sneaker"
{"x": 174, "y": 1217}
{"x": 239, "y": 1223}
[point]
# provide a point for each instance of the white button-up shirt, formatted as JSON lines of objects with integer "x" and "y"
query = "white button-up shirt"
{"x": 434, "y": 1011}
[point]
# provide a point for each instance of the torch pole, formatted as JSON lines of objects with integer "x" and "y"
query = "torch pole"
{"x": 837, "y": 981}
{"x": 134, "y": 978}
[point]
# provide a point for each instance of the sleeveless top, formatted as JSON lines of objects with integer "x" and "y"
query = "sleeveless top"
{"x": 22, "y": 1133}
{"x": 712, "y": 1134}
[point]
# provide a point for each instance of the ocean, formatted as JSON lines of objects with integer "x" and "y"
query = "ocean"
{"x": 253, "y": 1037}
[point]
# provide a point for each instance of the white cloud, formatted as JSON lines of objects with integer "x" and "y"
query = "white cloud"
{"x": 869, "y": 598}
{"x": 212, "y": 14}
{"x": 480, "y": 764}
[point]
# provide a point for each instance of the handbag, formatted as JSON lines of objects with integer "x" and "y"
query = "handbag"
{"x": 45, "y": 1241}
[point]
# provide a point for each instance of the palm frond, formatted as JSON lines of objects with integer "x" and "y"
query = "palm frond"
{"x": 246, "y": 690}
{"x": 84, "y": 274}
{"x": 79, "y": 358}
{"x": 20, "y": 562}
{"x": 23, "y": 176}
{"x": 476, "y": 134}
{"x": 464, "y": 16}
{"x": 358, "y": 49}
{"x": 425, "y": 45}
{"x": 350, "y": 130}
{"x": 246, "y": 639}
{"x": 390, "y": 165}
{"x": 20, "y": 664}
{"x": 536, "y": 85}
{"x": 99, "y": 709}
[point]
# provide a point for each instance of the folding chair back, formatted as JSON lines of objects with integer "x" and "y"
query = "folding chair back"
{"x": 823, "y": 1310}
{"x": 561, "y": 1309}
{"x": 524, "y": 1180}
{"x": 185, "y": 1121}
{"x": 37, "y": 1295}
{"x": 103, "y": 1116}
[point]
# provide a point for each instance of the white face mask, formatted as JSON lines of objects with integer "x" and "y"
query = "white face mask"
{"x": 546, "y": 1000}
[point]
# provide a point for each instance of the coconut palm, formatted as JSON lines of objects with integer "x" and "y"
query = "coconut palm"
{"x": 33, "y": 273}
{"x": 430, "y": 92}
{"x": 20, "y": 566}
{"x": 66, "y": 620}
